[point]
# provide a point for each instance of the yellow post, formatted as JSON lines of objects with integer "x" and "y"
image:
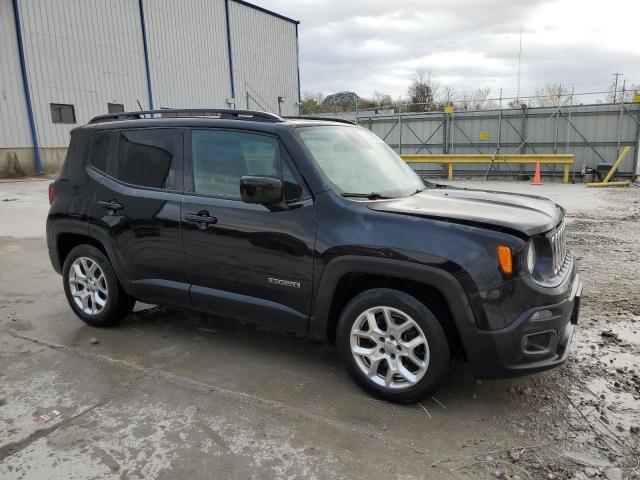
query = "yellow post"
{"x": 451, "y": 171}
{"x": 615, "y": 165}
{"x": 566, "y": 174}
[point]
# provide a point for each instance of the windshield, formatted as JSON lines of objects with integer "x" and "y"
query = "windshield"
{"x": 356, "y": 161}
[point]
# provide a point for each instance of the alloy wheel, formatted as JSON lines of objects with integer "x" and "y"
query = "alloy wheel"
{"x": 389, "y": 347}
{"x": 88, "y": 285}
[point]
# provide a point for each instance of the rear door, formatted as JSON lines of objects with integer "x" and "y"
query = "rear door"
{"x": 246, "y": 260}
{"x": 136, "y": 212}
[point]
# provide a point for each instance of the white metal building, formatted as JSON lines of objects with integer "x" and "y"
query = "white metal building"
{"x": 65, "y": 61}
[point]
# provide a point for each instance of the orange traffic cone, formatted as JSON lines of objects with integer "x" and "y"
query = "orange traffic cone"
{"x": 536, "y": 178}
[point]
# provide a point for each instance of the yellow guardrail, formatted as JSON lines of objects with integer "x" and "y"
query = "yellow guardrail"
{"x": 566, "y": 160}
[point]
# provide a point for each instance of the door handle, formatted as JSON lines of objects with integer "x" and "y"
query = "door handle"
{"x": 202, "y": 219}
{"x": 110, "y": 205}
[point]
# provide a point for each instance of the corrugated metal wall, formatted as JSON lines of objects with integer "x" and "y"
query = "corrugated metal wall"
{"x": 14, "y": 124}
{"x": 82, "y": 52}
{"x": 264, "y": 59}
{"x": 188, "y": 54}
{"x": 598, "y": 133}
{"x": 89, "y": 53}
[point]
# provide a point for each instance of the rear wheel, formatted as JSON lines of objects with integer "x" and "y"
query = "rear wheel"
{"x": 393, "y": 346}
{"x": 92, "y": 289}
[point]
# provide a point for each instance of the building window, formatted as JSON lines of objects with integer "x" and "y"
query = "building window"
{"x": 61, "y": 113}
{"x": 115, "y": 107}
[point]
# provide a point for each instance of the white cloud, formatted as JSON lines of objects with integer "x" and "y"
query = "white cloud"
{"x": 368, "y": 45}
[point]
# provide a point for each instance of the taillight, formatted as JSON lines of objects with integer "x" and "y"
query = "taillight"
{"x": 52, "y": 192}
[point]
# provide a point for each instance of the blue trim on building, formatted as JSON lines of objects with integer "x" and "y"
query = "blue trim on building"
{"x": 146, "y": 54}
{"x": 298, "y": 65}
{"x": 233, "y": 85}
{"x": 264, "y": 10}
{"x": 27, "y": 92}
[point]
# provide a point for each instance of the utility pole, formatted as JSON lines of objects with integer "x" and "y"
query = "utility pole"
{"x": 615, "y": 88}
{"x": 519, "y": 63}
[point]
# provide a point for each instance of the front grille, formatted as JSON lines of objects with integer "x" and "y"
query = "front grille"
{"x": 558, "y": 242}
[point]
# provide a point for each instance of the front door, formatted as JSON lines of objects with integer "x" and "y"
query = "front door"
{"x": 136, "y": 212}
{"x": 246, "y": 260}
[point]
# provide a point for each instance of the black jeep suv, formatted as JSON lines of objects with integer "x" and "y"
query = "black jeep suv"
{"x": 315, "y": 226}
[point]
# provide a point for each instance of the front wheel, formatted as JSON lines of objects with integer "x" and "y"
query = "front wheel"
{"x": 393, "y": 346}
{"x": 92, "y": 289}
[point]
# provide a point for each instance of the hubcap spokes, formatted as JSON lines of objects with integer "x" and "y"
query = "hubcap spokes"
{"x": 389, "y": 347}
{"x": 88, "y": 285}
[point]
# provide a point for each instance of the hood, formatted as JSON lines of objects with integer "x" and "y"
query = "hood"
{"x": 526, "y": 214}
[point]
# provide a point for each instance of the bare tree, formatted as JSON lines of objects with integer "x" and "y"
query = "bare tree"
{"x": 476, "y": 99}
{"x": 552, "y": 95}
{"x": 447, "y": 95}
{"x": 382, "y": 99}
{"x": 423, "y": 91}
{"x": 317, "y": 96}
{"x": 625, "y": 96}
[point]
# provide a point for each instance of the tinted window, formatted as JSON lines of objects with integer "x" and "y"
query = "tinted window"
{"x": 220, "y": 158}
{"x": 61, "y": 113}
{"x": 103, "y": 143}
{"x": 147, "y": 157}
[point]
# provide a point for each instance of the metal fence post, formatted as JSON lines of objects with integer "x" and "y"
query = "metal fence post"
{"x": 620, "y": 120}
{"x": 445, "y": 129}
{"x": 637, "y": 146}
{"x": 499, "y": 124}
{"x": 400, "y": 134}
{"x": 555, "y": 138}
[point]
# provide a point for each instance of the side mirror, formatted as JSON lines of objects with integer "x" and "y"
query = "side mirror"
{"x": 263, "y": 190}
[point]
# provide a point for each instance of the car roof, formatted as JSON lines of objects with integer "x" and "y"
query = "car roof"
{"x": 206, "y": 117}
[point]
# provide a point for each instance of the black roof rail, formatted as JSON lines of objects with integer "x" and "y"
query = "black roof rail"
{"x": 222, "y": 113}
{"x": 326, "y": 119}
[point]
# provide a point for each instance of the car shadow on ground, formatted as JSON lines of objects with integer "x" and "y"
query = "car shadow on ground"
{"x": 279, "y": 366}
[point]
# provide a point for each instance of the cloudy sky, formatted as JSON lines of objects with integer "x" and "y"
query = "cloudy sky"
{"x": 369, "y": 45}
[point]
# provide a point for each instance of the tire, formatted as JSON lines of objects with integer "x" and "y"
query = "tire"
{"x": 404, "y": 350}
{"x": 88, "y": 277}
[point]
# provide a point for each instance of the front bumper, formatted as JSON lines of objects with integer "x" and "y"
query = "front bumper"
{"x": 537, "y": 340}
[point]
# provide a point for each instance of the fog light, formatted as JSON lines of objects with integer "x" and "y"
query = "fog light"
{"x": 539, "y": 343}
{"x": 542, "y": 315}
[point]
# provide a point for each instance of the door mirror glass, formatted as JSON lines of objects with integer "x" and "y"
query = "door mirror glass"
{"x": 262, "y": 190}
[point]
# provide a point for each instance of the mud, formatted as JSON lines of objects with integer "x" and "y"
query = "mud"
{"x": 171, "y": 394}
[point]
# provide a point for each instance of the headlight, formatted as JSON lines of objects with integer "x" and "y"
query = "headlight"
{"x": 531, "y": 257}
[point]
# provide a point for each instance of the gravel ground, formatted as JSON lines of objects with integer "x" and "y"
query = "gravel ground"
{"x": 171, "y": 394}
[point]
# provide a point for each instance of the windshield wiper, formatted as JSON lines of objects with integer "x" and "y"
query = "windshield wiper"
{"x": 368, "y": 196}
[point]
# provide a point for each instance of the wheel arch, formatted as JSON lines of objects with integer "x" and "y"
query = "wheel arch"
{"x": 67, "y": 241}
{"x": 345, "y": 277}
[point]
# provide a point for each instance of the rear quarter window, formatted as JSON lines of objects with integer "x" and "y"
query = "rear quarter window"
{"x": 103, "y": 146}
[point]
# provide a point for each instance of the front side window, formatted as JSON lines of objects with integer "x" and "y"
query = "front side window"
{"x": 147, "y": 157}
{"x": 356, "y": 161}
{"x": 221, "y": 158}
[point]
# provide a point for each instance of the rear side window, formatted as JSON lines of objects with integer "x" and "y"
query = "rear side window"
{"x": 147, "y": 158}
{"x": 220, "y": 158}
{"x": 103, "y": 146}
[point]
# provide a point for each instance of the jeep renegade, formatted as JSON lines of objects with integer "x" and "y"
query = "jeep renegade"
{"x": 315, "y": 226}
